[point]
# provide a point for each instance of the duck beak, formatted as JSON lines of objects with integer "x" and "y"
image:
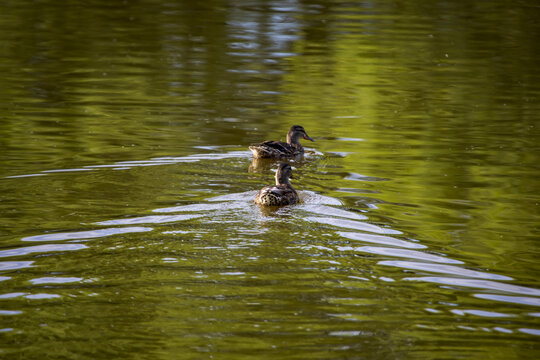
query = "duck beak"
{"x": 307, "y": 137}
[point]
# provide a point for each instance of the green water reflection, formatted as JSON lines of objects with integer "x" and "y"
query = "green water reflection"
{"x": 121, "y": 122}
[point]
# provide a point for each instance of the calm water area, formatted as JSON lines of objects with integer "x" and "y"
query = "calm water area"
{"x": 127, "y": 223}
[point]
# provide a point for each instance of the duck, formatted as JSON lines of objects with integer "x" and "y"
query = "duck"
{"x": 280, "y": 194}
{"x": 279, "y": 150}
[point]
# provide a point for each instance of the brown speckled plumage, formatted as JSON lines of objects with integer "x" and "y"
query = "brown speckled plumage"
{"x": 280, "y": 150}
{"x": 280, "y": 194}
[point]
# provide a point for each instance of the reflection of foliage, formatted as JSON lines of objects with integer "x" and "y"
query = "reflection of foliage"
{"x": 445, "y": 89}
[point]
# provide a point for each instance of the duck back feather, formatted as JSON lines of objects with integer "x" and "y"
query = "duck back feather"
{"x": 277, "y": 195}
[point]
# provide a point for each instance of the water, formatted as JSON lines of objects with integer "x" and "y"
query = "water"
{"x": 127, "y": 223}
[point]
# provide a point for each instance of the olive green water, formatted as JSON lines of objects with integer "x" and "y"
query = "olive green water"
{"x": 127, "y": 228}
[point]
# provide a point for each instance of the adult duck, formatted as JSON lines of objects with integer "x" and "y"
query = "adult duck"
{"x": 280, "y": 194}
{"x": 281, "y": 150}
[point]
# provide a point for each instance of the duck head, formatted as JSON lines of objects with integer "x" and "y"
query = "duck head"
{"x": 283, "y": 174}
{"x": 296, "y": 132}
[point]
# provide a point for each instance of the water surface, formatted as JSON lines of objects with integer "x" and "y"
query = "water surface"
{"x": 126, "y": 191}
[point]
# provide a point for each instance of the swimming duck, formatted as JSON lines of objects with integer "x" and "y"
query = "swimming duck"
{"x": 278, "y": 149}
{"x": 280, "y": 194}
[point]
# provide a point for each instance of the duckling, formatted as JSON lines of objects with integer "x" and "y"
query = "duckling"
{"x": 278, "y": 149}
{"x": 280, "y": 194}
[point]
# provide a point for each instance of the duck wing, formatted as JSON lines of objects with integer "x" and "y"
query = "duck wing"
{"x": 272, "y": 149}
{"x": 277, "y": 145}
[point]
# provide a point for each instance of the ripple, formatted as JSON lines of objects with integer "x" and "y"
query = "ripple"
{"x": 23, "y": 176}
{"x": 332, "y": 211}
{"x": 380, "y": 239}
{"x": 41, "y": 249}
{"x": 246, "y": 196}
{"x": 209, "y": 156}
{"x": 306, "y": 197}
{"x": 66, "y": 170}
{"x": 86, "y": 234}
{"x": 152, "y": 219}
{"x": 55, "y": 280}
{"x": 352, "y": 225}
{"x": 349, "y": 139}
{"x": 176, "y": 232}
{"x": 481, "y": 313}
{"x": 10, "y": 312}
{"x": 341, "y": 154}
{"x": 413, "y": 254}
{"x": 12, "y": 265}
{"x": 484, "y": 284}
{"x": 125, "y": 166}
{"x": 503, "y": 330}
{"x": 360, "y": 177}
{"x": 142, "y": 163}
{"x": 201, "y": 207}
{"x": 346, "y": 333}
{"x": 42, "y": 296}
{"x": 530, "y": 331}
{"x": 233, "y": 273}
{"x": 523, "y": 300}
{"x": 11, "y": 295}
{"x": 446, "y": 269}
{"x": 310, "y": 197}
